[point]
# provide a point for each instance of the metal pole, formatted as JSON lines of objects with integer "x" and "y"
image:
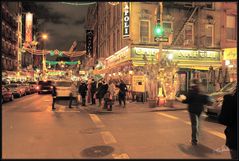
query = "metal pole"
{"x": 43, "y": 59}
{"x": 161, "y": 24}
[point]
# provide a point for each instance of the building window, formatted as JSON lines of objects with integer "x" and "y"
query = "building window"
{"x": 144, "y": 30}
{"x": 231, "y": 27}
{"x": 209, "y": 5}
{"x": 168, "y": 27}
{"x": 209, "y": 35}
{"x": 189, "y": 34}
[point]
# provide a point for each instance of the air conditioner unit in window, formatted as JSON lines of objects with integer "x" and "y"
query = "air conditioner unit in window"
{"x": 187, "y": 42}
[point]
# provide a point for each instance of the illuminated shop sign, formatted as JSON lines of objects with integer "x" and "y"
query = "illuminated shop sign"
{"x": 126, "y": 19}
{"x": 120, "y": 56}
{"x": 29, "y": 19}
{"x": 137, "y": 52}
{"x": 230, "y": 54}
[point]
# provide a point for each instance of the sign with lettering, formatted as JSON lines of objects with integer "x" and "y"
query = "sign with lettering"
{"x": 197, "y": 55}
{"x": 126, "y": 19}
{"x": 230, "y": 54}
{"x": 89, "y": 42}
{"x": 138, "y": 83}
{"x": 119, "y": 57}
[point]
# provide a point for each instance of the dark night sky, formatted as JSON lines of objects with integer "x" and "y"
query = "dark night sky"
{"x": 63, "y": 23}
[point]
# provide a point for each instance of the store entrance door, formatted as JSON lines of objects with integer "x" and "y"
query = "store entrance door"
{"x": 183, "y": 82}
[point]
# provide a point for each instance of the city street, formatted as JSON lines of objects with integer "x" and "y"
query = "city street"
{"x": 31, "y": 130}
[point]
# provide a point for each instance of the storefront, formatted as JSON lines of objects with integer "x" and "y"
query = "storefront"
{"x": 230, "y": 62}
{"x": 128, "y": 63}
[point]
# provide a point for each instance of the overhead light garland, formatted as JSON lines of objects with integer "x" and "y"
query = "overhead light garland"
{"x": 78, "y": 4}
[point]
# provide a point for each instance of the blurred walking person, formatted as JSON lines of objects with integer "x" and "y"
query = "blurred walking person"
{"x": 82, "y": 90}
{"x": 101, "y": 91}
{"x": 195, "y": 101}
{"x": 122, "y": 92}
{"x": 93, "y": 90}
{"x": 228, "y": 117}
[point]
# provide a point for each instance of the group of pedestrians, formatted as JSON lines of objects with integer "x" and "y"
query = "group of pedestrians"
{"x": 105, "y": 92}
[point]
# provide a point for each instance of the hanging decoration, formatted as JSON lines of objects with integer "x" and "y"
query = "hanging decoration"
{"x": 63, "y": 62}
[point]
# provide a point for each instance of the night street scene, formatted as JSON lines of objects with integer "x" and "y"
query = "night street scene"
{"x": 119, "y": 80}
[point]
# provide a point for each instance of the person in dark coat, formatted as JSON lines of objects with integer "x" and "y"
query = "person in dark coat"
{"x": 196, "y": 102}
{"x": 101, "y": 91}
{"x": 228, "y": 117}
{"x": 82, "y": 90}
{"x": 53, "y": 97}
{"x": 93, "y": 90}
{"x": 122, "y": 92}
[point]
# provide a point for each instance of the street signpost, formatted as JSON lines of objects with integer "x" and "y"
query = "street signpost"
{"x": 161, "y": 39}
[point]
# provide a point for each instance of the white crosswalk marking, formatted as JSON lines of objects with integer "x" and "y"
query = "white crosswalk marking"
{"x": 108, "y": 137}
{"x": 120, "y": 156}
{"x": 97, "y": 121}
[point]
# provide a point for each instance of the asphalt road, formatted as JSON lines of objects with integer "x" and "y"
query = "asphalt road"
{"x": 31, "y": 130}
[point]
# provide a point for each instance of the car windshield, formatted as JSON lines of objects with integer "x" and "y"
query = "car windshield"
{"x": 47, "y": 83}
{"x": 32, "y": 82}
{"x": 229, "y": 87}
{"x": 63, "y": 84}
{"x": 12, "y": 86}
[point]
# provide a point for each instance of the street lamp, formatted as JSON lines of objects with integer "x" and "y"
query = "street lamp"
{"x": 44, "y": 36}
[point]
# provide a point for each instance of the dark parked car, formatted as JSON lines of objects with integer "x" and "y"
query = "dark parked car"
{"x": 215, "y": 108}
{"x": 7, "y": 95}
{"x": 44, "y": 87}
{"x": 27, "y": 88}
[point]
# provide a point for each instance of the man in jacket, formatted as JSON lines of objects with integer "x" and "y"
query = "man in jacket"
{"x": 195, "y": 101}
{"x": 228, "y": 117}
{"x": 122, "y": 92}
{"x": 53, "y": 97}
{"x": 93, "y": 90}
{"x": 82, "y": 90}
{"x": 101, "y": 92}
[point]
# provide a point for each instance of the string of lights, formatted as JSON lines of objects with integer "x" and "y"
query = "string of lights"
{"x": 78, "y": 4}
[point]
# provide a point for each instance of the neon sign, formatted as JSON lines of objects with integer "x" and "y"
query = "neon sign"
{"x": 126, "y": 19}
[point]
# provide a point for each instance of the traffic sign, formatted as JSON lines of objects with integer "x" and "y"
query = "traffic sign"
{"x": 161, "y": 39}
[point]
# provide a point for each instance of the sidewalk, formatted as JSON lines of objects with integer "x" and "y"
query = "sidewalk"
{"x": 134, "y": 107}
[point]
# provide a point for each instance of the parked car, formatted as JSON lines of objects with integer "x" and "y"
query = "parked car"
{"x": 17, "y": 89}
{"x": 215, "y": 108}
{"x": 27, "y": 88}
{"x": 7, "y": 95}
{"x": 33, "y": 87}
{"x": 44, "y": 87}
{"x": 64, "y": 89}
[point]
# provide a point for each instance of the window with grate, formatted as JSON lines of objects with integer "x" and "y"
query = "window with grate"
{"x": 231, "y": 27}
{"x": 209, "y": 35}
{"x": 209, "y": 5}
{"x": 144, "y": 30}
{"x": 168, "y": 27}
{"x": 188, "y": 34}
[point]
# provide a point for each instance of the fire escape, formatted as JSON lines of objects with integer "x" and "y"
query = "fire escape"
{"x": 179, "y": 36}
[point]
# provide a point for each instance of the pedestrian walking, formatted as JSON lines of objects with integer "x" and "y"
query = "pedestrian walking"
{"x": 108, "y": 101}
{"x": 82, "y": 90}
{"x": 195, "y": 100}
{"x": 122, "y": 92}
{"x": 89, "y": 91}
{"x": 228, "y": 117}
{"x": 73, "y": 94}
{"x": 93, "y": 90}
{"x": 101, "y": 91}
{"x": 54, "y": 94}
